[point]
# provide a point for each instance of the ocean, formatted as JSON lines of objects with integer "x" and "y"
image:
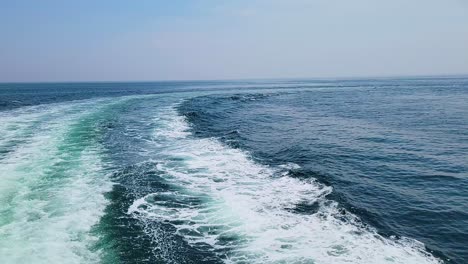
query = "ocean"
{"x": 255, "y": 171}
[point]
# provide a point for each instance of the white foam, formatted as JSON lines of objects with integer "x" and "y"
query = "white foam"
{"x": 50, "y": 196}
{"x": 22, "y": 123}
{"x": 247, "y": 209}
{"x": 290, "y": 166}
{"x": 170, "y": 126}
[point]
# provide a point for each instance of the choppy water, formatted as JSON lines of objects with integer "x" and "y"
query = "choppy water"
{"x": 309, "y": 171}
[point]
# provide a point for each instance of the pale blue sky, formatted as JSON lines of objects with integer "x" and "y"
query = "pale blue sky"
{"x": 86, "y": 40}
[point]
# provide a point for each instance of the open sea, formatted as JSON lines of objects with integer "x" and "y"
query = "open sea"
{"x": 275, "y": 171}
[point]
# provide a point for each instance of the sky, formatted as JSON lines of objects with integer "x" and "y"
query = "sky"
{"x": 145, "y": 40}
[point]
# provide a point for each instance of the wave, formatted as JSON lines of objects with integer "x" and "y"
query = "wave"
{"x": 222, "y": 201}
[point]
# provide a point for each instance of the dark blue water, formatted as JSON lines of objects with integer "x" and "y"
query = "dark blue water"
{"x": 283, "y": 171}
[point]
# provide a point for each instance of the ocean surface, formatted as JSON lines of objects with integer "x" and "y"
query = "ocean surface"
{"x": 276, "y": 171}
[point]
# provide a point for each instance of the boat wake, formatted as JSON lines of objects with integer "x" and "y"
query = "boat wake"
{"x": 222, "y": 201}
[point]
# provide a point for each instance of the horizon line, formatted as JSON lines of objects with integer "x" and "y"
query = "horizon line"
{"x": 438, "y": 76}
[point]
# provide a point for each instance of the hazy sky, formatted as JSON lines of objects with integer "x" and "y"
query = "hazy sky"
{"x": 102, "y": 40}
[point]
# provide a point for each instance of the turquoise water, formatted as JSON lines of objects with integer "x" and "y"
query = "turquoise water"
{"x": 309, "y": 171}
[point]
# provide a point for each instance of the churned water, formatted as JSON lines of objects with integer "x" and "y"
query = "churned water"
{"x": 284, "y": 171}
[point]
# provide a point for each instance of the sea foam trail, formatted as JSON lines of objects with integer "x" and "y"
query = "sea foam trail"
{"x": 246, "y": 211}
{"x": 18, "y": 126}
{"x": 51, "y": 187}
